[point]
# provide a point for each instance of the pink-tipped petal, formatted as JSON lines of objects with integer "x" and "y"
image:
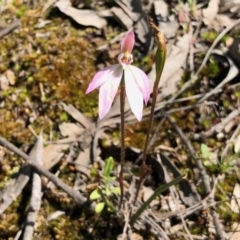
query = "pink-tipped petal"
{"x": 108, "y": 91}
{"x": 128, "y": 42}
{"x": 101, "y": 77}
{"x": 134, "y": 94}
{"x": 142, "y": 82}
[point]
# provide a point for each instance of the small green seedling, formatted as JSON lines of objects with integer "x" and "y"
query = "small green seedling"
{"x": 105, "y": 192}
{"x": 192, "y": 5}
{"x": 206, "y": 153}
{"x": 206, "y": 157}
{"x": 224, "y": 165}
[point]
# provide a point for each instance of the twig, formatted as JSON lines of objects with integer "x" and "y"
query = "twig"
{"x": 126, "y": 224}
{"x": 12, "y": 190}
{"x": 148, "y": 219}
{"x": 194, "y": 78}
{"x": 220, "y": 126}
{"x": 194, "y": 236}
{"x": 162, "y": 233}
{"x": 129, "y": 207}
{"x": 205, "y": 178}
{"x": 71, "y": 152}
{"x": 190, "y": 107}
{"x": 186, "y": 212}
{"x": 191, "y": 48}
{"x": 74, "y": 194}
{"x": 234, "y": 136}
{"x": 160, "y": 105}
{"x": 19, "y": 233}
{"x": 35, "y": 201}
{"x": 218, "y": 87}
{"x": 9, "y": 28}
{"x": 3, "y": 2}
{"x": 174, "y": 193}
{"x": 216, "y": 41}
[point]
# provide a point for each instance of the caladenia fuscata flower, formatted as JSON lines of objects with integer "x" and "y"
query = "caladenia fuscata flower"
{"x": 135, "y": 81}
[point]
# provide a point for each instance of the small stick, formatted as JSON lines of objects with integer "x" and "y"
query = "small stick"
{"x": 205, "y": 178}
{"x": 74, "y": 194}
{"x": 35, "y": 201}
{"x": 9, "y": 28}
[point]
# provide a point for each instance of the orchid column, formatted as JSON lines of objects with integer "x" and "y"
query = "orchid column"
{"x": 133, "y": 81}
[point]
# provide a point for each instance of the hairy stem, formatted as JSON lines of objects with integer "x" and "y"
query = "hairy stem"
{"x": 122, "y": 129}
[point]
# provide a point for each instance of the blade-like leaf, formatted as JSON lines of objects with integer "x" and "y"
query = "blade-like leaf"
{"x": 152, "y": 197}
{"x": 108, "y": 167}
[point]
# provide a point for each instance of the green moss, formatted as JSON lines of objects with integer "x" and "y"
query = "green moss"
{"x": 226, "y": 103}
{"x": 210, "y": 36}
{"x": 212, "y": 70}
{"x": 49, "y": 70}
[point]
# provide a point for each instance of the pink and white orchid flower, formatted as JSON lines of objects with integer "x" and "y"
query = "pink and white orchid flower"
{"x": 108, "y": 79}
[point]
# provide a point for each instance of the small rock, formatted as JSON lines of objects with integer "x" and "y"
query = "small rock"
{"x": 237, "y": 145}
{"x": 42, "y": 23}
{"x": 10, "y": 76}
{"x": 220, "y": 136}
{"x": 161, "y": 8}
{"x": 229, "y": 126}
{"x": 4, "y": 84}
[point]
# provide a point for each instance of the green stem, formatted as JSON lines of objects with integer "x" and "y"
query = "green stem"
{"x": 108, "y": 203}
{"x": 160, "y": 60}
{"x": 122, "y": 129}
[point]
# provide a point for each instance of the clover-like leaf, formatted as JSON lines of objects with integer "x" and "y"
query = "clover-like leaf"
{"x": 95, "y": 195}
{"x": 206, "y": 153}
{"x": 116, "y": 190}
{"x": 99, "y": 207}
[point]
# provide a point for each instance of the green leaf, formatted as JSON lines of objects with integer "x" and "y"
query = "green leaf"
{"x": 116, "y": 190}
{"x": 158, "y": 191}
{"x": 94, "y": 172}
{"x": 107, "y": 192}
{"x": 108, "y": 167}
{"x": 205, "y": 151}
{"x": 107, "y": 202}
{"x": 95, "y": 194}
{"x": 99, "y": 207}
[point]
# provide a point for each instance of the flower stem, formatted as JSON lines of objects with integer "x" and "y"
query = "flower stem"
{"x": 160, "y": 61}
{"x": 122, "y": 129}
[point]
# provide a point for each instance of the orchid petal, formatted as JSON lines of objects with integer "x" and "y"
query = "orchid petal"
{"x": 101, "y": 77}
{"x": 128, "y": 42}
{"x": 108, "y": 91}
{"x": 134, "y": 94}
{"x": 142, "y": 81}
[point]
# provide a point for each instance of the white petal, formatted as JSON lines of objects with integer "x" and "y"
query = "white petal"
{"x": 142, "y": 82}
{"x": 134, "y": 95}
{"x": 101, "y": 77}
{"x": 108, "y": 91}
